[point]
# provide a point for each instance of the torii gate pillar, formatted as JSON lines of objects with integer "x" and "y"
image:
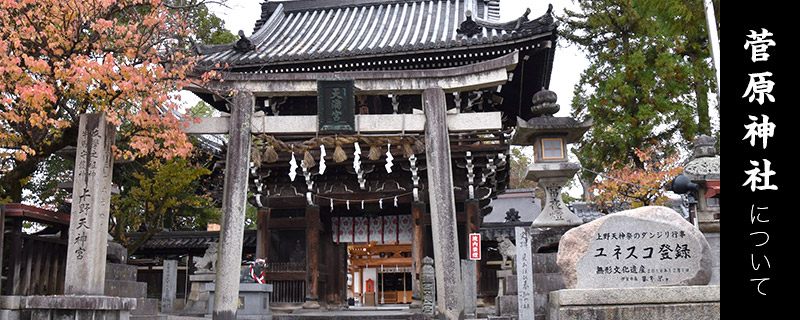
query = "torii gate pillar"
{"x": 234, "y": 200}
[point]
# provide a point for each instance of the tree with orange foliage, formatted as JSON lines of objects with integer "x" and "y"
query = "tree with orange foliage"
{"x": 62, "y": 58}
{"x": 636, "y": 184}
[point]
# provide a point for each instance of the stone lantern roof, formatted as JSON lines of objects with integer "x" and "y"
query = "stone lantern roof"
{"x": 544, "y": 123}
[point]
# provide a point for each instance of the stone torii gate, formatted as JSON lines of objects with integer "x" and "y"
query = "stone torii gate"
{"x": 435, "y": 122}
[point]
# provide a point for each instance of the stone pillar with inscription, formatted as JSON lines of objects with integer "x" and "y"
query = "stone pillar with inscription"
{"x": 226, "y": 300}
{"x": 428, "y": 286}
{"x": 449, "y": 287}
{"x": 88, "y": 230}
{"x": 524, "y": 261}
{"x": 169, "y": 285}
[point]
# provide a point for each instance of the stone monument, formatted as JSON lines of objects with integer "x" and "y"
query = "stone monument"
{"x": 169, "y": 285}
{"x": 91, "y": 195}
{"x": 644, "y": 263}
{"x": 85, "y": 282}
{"x": 643, "y": 247}
{"x": 524, "y": 260}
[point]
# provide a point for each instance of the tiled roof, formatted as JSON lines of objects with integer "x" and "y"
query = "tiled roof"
{"x": 366, "y": 28}
{"x": 188, "y": 240}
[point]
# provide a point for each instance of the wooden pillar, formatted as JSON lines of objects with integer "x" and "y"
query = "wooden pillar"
{"x": 417, "y": 251}
{"x": 473, "y": 210}
{"x": 14, "y": 258}
{"x": 312, "y": 258}
{"x": 234, "y": 200}
{"x": 449, "y": 287}
{"x": 262, "y": 233}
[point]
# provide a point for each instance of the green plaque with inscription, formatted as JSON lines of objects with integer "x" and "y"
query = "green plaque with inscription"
{"x": 336, "y": 105}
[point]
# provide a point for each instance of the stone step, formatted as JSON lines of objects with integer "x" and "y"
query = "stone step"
{"x": 123, "y": 288}
{"x": 146, "y": 307}
{"x": 346, "y": 315}
{"x": 118, "y": 271}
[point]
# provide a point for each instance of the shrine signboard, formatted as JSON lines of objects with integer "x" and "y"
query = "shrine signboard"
{"x": 474, "y": 246}
{"x": 336, "y": 105}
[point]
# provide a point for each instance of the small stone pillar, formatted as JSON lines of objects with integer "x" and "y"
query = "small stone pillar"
{"x": 428, "y": 286}
{"x": 169, "y": 286}
{"x": 524, "y": 261}
{"x": 468, "y": 276}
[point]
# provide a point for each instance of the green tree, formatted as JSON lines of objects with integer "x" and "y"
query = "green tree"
{"x": 518, "y": 168}
{"x": 640, "y": 85}
{"x": 166, "y": 194}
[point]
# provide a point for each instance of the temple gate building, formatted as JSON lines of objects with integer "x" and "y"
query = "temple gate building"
{"x": 378, "y": 126}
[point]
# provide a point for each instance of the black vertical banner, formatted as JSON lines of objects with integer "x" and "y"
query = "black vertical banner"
{"x": 757, "y": 116}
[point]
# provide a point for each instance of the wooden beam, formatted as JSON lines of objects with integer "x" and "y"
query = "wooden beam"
{"x": 365, "y": 123}
{"x": 363, "y": 262}
{"x": 475, "y": 76}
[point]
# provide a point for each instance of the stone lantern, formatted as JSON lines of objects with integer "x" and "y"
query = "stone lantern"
{"x": 704, "y": 170}
{"x": 549, "y": 137}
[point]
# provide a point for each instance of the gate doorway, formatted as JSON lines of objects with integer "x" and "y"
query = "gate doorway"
{"x": 381, "y": 273}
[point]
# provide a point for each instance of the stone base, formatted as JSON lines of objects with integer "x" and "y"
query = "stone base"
{"x": 253, "y": 300}
{"x": 507, "y": 305}
{"x": 646, "y": 303}
{"x": 66, "y": 307}
{"x": 311, "y": 304}
{"x": 197, "y": 302}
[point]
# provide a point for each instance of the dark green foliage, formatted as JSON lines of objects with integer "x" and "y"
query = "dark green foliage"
{"x": 648, "y": 77}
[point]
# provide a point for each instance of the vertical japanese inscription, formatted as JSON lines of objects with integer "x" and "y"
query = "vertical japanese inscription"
{"x": 336, "y": 105}
{"x": 524, "y": 261}
{"x": 90, "y": 204}
{"x": 759, "y": 90}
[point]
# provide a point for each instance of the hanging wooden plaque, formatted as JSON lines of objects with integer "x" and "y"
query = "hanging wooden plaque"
{"x": 336, "y": 105}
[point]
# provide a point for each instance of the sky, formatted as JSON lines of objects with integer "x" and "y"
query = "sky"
{"x": 568, "y": 62}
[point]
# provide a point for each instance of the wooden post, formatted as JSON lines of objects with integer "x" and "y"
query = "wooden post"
{"x": 312, "y": 258}
{"x": 473, "y": 210}
{"x": 417, "y": 251}
{"x": 14, "y": 258}
{"x": 443, "y": 214}
{"x": 226, "y": 296}
{"x": 262, "y": 233}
